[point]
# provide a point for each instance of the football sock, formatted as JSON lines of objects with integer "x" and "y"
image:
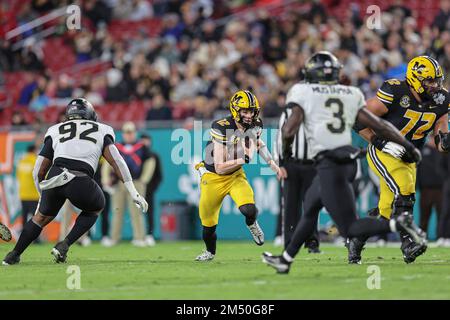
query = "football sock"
{"x": 285, "y": 257}
{"x": 368, "y": 227}
{"x": 250, "y": 212}
{"x": 210, "y": 238}
{"x": 83, "y": 223}
{"x": 30, "y": 233}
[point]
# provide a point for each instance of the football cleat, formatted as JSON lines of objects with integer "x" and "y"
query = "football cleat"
{"x": 355, "y": 247}
{"x": 412, "y": 251}
{"x": 11, "y": 258}
{"x": 276, "y": 262}
{"x": 5, "y": 233}
{"x": 313, "y": 246}
{"x": 405, "y": 222}
{"x": 60, "y": 252}
{"x": 257, "y": 233}
{"x": 205, "y": 256}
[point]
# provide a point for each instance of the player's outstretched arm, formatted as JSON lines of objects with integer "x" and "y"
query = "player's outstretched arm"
{"x": 41, "y": 167}
{"x": 375, "y": 106}
{"x": 387, "y": 131}
{"x": 116, "y": 161}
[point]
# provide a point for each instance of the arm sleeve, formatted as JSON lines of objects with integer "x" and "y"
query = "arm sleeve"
{"x": 107, "y": 140}
{"x": 47, "y": 150}
{"x": 386, "y": 94}
{"x": 123, "y": 168}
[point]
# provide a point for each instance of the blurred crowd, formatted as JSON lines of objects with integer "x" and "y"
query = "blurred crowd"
{"x": 203, "y": 52}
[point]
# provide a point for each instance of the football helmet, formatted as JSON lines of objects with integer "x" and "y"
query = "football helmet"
{"x": 322, "y": 67}
{"x": 424, "y": 75}
{"x": 244, "y": 99}
{"x": 80, "y": 108}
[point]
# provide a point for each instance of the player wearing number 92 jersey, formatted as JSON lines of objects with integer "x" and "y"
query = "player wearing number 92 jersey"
{"x": 64, "y": 170}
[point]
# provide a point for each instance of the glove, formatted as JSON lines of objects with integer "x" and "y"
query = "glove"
{"x": 444, "y": 140}
{"x": 394, "y": 149}
{"x": 412, "y": 155}
{"x": 138, "y": 200}
{"x": 378, "y": 142}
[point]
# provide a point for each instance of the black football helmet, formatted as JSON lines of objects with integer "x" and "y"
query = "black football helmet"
{"x": 80, "y": 108}
{"x": 322, "y": 67}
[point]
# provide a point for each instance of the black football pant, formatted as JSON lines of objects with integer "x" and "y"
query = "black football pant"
{"x": 332, "y": 188}
{"x": 300, "y": 177}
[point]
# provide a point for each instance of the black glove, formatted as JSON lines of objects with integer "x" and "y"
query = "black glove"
{"x": 378, "y": 142}
{"x": 412, "y": 155}
{"x": 444, "y": 141}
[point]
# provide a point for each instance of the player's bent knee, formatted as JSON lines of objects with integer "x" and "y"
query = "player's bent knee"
{"x": 250, "y": 212}
{"x": 42, "y": 220}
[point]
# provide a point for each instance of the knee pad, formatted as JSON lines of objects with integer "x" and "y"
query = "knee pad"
{"x": 209, "y": 231}
{"x": 404, "y": 203}
{"x": 250, "y": 212}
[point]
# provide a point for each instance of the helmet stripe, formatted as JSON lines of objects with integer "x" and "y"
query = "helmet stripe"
{"x": 435, "y": 65}
{"x": 249, "y": 97}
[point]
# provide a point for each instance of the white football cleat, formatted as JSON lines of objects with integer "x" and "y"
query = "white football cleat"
{"x": 205, "y": 256}
{"x": 257, "y": 233}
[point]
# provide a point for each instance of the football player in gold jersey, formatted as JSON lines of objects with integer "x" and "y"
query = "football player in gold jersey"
{"x": 233, "y": 142}
{"x": 416, "y": 106}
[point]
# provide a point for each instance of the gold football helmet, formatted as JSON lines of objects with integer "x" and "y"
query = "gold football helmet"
{"x": 424, "y": 75}
{"x": 244, "y": 99}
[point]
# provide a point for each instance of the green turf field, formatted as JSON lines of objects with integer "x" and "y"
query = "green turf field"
{"x": 168, "y": 271}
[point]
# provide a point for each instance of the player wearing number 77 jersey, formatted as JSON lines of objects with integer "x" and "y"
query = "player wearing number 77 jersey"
{"x": 65, "y": 169}
{"x": 416, "y": 106}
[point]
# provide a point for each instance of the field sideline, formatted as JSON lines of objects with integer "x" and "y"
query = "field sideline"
{"x": 168, "y": 271}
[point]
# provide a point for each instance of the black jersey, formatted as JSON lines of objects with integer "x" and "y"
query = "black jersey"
{"x": 226, "y": 132}
{"x": 413, "y": 119}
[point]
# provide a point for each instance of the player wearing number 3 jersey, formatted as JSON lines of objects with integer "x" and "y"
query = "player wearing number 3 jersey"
{"x": 65, "y": 169}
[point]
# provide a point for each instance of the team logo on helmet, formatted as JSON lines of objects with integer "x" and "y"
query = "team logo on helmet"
{"x": 241, "y": 100}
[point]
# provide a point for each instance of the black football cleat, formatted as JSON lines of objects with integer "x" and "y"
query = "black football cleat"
{"x": 313, "y": 246}
{"x": 355, "y": 247}
{"x": 11, "y": 258}
{"x": 405, "y": 222}
{"x": 60, "y": 252}
{"x": 5, "y": 233}
{"x": 412, "y": 251}
{"x": 276, "y": 262}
